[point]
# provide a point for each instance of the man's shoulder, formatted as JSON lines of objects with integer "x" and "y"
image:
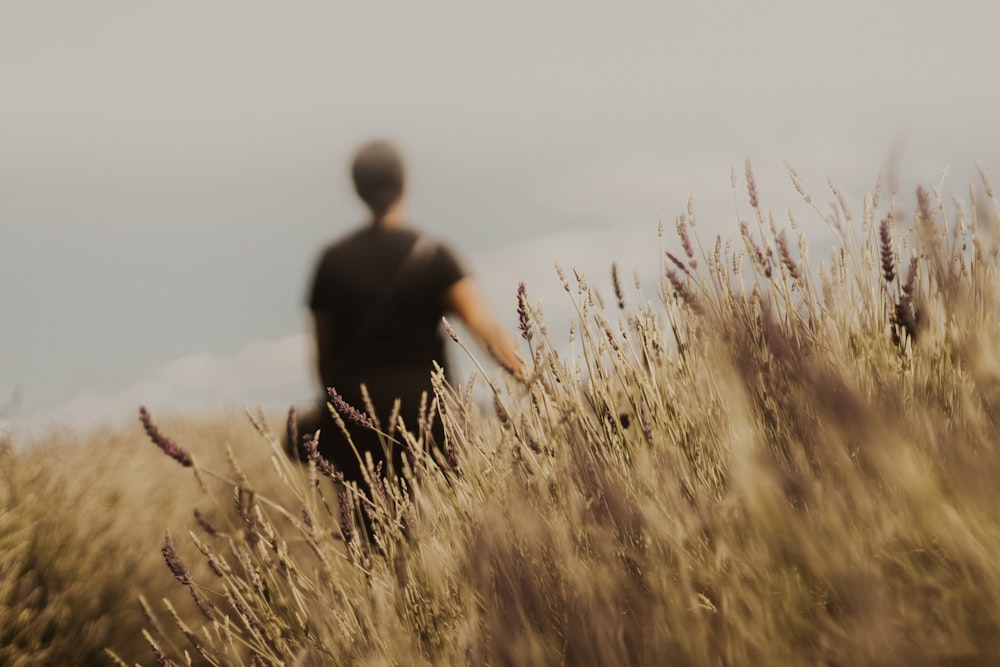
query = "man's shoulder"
{"x": 345, "y": 244}
{"x": 361, "y": 244}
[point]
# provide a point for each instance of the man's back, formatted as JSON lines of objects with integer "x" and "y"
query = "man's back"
{"x": 384, "y": 294}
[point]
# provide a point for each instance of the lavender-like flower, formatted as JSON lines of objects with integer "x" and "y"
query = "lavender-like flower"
{"x": 617, "y": 285}
{"x": 786, "y": 256}
{"x": 205, "y": 524}
{"x": 924, "y": 205}
{"x": 346, "y": 518}
{"x": 678, "y": 263}
{"x": 348, "y": 410}
{"x": 169, "y": 448}
{"x": 885, "y": 251}
{"x": 529, "y": 439}
{"x": 751, "y": 185}
{"x": 682, "y": 232}
{"x": 501, "y": 411}
{"x": 214, "y": 565}
{"x": 681, "y": 289}
{"x": 905, "y": 314}
{"x": 161, "y": 659}
{"x": 322, "y": 465}
{"x": 170, "y": 555}
{"x": 379, "y": 480}
{"x": 523, "y": 320}
{"x": 248, "y": 618}
{"x": 451, "y": 455}
{"x": 911, "y": 277}
{"x": 754, "y": 250}
{"x": 647, "y": 427}
{"x": 202, "y": 604}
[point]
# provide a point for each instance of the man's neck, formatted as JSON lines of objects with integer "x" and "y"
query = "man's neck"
{"x": 393, "y": 218}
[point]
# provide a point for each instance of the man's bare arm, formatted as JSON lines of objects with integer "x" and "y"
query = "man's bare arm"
{"x": 468, "y": 303}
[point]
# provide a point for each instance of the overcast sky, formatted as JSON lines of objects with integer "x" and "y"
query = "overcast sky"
{"x": 169, "y": 170}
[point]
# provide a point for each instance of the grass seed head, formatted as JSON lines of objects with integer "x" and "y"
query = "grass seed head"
{"x": 169, "y": 448}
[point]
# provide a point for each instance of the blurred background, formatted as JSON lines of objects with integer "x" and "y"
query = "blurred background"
{"x": 170, "y": 171}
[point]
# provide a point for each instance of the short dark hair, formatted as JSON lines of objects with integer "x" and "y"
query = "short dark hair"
{"x": 378, "y": 175}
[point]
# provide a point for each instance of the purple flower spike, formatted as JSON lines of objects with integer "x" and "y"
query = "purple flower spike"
{"x": 348, "y": 410}
{"x": 178, "y": 454}
{"x": 522, "y": 312}
{"x": 346, "y": 517}
{"x": 885, "y": 251}
{"x": 169, "y": 550}
{"x": 322, "y": 465}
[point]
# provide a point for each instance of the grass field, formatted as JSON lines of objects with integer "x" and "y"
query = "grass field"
{"x": 780, "y": 461}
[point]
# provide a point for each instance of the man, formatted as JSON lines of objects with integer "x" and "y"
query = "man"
{"x": 377, "y": 299}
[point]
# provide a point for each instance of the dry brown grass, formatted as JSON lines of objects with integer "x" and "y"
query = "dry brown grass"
{"x": 80, "y": 522}
{"x": 773, "y": 464}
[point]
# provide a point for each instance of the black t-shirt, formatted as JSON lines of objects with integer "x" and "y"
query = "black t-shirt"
{"x": 385, "y": 310}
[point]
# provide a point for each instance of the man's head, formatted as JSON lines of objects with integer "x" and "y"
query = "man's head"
{"x": 378, "y": 176}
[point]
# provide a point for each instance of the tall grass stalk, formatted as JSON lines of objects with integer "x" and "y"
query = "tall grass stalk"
{"x": 777, "y": 462}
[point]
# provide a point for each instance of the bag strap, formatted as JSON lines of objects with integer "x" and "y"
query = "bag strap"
{"x": 421, "y": 248}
